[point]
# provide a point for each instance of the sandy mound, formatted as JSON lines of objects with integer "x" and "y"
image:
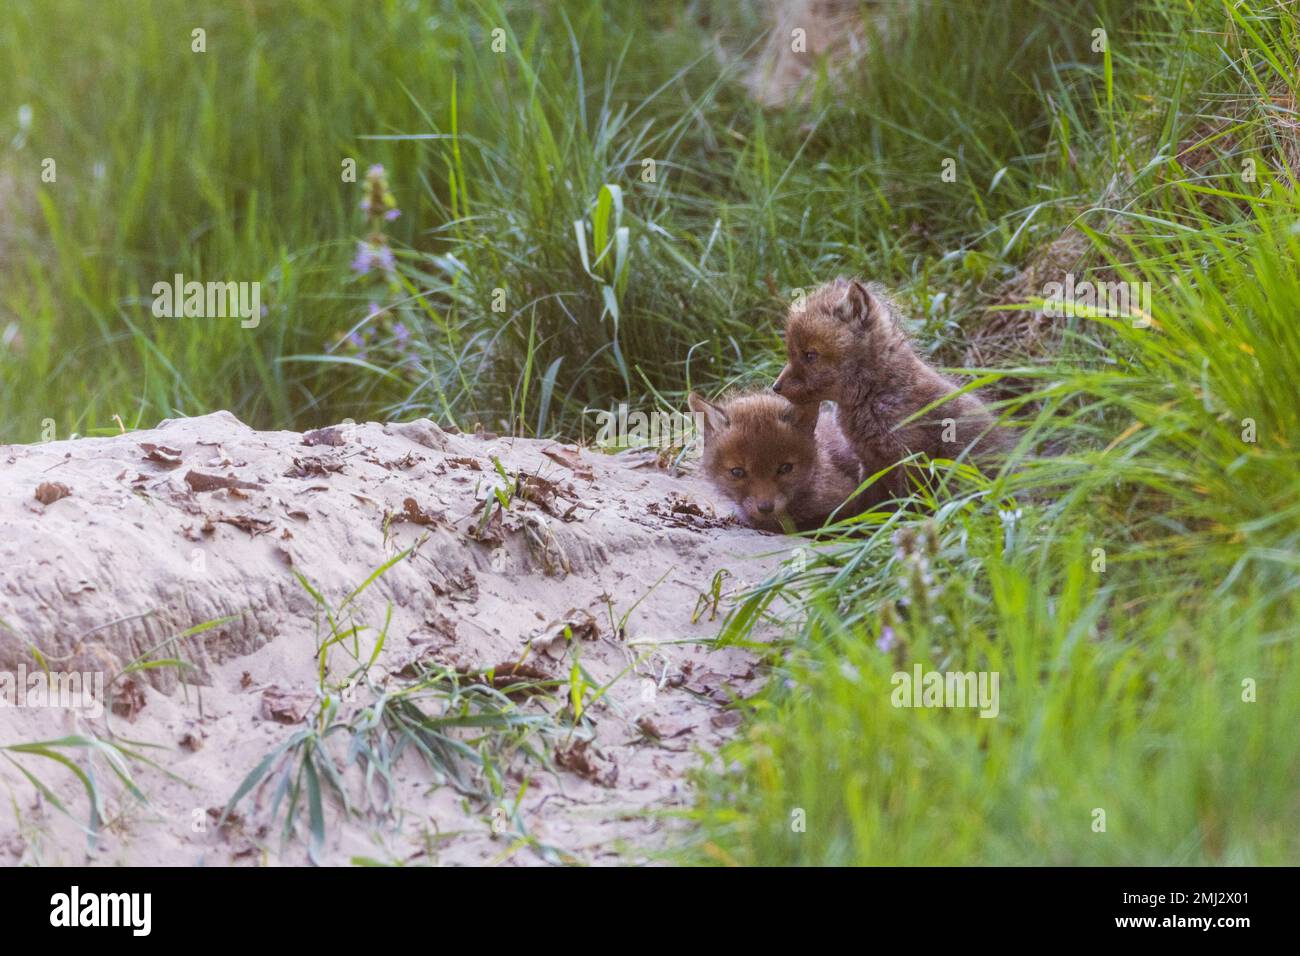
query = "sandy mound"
{"x": 113, "y": 553}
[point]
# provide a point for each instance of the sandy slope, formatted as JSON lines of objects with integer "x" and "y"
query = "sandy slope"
{"x": 205, "y": 518}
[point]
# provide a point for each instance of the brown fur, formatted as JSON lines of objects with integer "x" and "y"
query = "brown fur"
{"x": 847, "y": 344}
{"x": 758, "y": 434}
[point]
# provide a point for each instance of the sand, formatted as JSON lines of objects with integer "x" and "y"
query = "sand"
{"x": 111, "y": 549}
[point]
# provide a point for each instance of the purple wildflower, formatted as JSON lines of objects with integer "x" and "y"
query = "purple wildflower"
{"x": 371, "y": 254}
{"x": 365, "y": 258}
{"x": 401, "y": 333}
{"x": 888, "y": 640}
{"x": 392, "y": 214}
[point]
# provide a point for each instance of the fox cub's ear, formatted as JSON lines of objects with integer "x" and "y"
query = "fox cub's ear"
{"x": 803, "y": 417}
{"x": 857, "y": 307}
{"x": 715, "y": 419}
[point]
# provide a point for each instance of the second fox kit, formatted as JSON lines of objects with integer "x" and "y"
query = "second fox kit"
{"x": 786, "y": 467}
{"x": 847, "y": 344}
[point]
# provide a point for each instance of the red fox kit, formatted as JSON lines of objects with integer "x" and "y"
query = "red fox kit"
{"x": 847, "y": 344}
{"x": 785, "y": 467}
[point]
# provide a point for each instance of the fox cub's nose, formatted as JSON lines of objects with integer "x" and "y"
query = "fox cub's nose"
{"x": 765, "y": 507}
{"x": 776, "y": 386}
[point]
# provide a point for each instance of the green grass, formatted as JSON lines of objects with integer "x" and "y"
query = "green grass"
{"x": 1136, "y": 592}
{"x": 541, "y": 273}
{"x": 226, "y": 165}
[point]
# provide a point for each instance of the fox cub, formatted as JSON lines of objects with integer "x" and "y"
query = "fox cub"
{"x": 848, "y": 344}
{"x": 785, "y": 467}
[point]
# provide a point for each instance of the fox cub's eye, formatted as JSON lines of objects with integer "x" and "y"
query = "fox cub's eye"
{"x": 810, "y": 356}
{"x": 738, "y": 473}
{"x": 785, "y": 469}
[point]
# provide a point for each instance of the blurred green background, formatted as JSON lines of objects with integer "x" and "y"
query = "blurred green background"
{"x": 226, "y": 165}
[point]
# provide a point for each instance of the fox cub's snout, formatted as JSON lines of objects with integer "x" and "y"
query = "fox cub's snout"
{"x": 784, "y": 466}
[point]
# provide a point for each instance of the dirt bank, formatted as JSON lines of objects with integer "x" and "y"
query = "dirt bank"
{"x": 113, "y": 550}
